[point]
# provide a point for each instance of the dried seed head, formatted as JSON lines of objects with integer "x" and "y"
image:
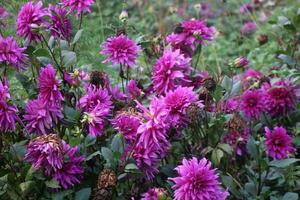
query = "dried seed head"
{"x": 237, "y": 123}
{"x": 209, "y": 83}
{"x": 194, "y": 114}
{"x": 98, "y": 78}
{"x": 107, "y": 179}
{"x": 102, "y": 194}
{"x": 53, "y": 139}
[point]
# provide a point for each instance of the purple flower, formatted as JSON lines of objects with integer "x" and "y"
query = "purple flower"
{"x": 196, "y": 180}
{"x": 278, "y": 143}
{"x": 241, "y": 62}
{"x": 76, "y": 77}
{"x": 280, "y": 97}
{"x": 178, "y": 41}
{"x": 120, "y": 50}
{"x": 133, "y": 90}
{"x": 237, "y": 140}
{"x": 116, "y": 94}
{"x": 49, "y": 86}
{"x": 8, "y": 117}
{"x": 46, "y": 152}
{"x": 4, "y": 93}
{"x": 72, "y": 170}
{"x": 250, "y": 77}
{"x": 177, "y": 102}
{"x": 248, "y": 28}
{"x": 154, "y": 194}
{"x": 247, "y": 7}
{"x": 60, "y": 23}
{"x": 78, "y": 5}
{"x": 96, "y": 120}
{"x": 3, "y": 14}
{"x": 169, "y": 71}
{"x": 30, "y": 17}
{"x": 231, "y": 105}
{"x": 40, "y": 116}
{"x": 252, "y": 103}
{"x": 127, "y": 123}
{"x": 12, "y": 54}
{"x": 94, "y": 97}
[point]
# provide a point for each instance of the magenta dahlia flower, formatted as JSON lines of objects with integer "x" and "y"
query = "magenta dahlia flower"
{"x": 280, "y": 97}
{"x": 46, "y": 152}
{"x": 252, "y": 103}
{"x": 230, "y": 105}
{"x": 76, "y": 77}
{"x": 120, "y": 50}
{"x": 248, "y": 28}
{"x": 11, "y": 54}
{"x": 197, "y": 180}
{"x": 38, "y": 117}
{"x": 79, "y": 6}
{"x": 154, "y": 194}
{"x": 60, "y": 24}
{"x": 96, "y": 120}
{"x": 177, "y": 101}
{"x": 178, "y": 41}
{"x": 237, "y": 140}
{"x": 133, "y": 90}
{"x": 278, "y": 143}
{"x": 250, "y": 77}
{"x": 94, "y": 97}
{"x": 127, "y": 123}
{"x": 31, "y": 17}
{"x": 169, "y": 71}
{"x": 72, "y": 169}
{"x": 8, "y": 117}
{"x": 4, "y": 90}
{"x": 49, "y": 85}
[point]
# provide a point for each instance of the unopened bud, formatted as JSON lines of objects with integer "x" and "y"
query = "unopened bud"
{"x": 123, "y": 16}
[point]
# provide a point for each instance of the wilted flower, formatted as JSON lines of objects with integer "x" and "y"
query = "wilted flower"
{"x": 251, "y": 78}
{"x": 133, "y": 90}
{"x": 196, "y": 180}
{"x": 278, "y": 143}
{"x": 99, "y": 78}
{"x": 127, "y": 123}
{"x": 30, "y": 17}
{"x": 252, "y": 103}
{"x": 230, "y": 105}
{"x": 11, "y": 53}
{"x": 49, "y": 86}
{"x": 247, "y": 7}
{"x": 60, "y": 23}
{"x": 280, "y": 97}
{"x": 154, "y": 194}
{"x": 120, "y": 50}
{"x": 237, "y": 140}
{"x": 169, "y": 71}
{"x": 8, "y": 116}
{"x": 4, "y": 93}
{"x": 72, "y": 170}
{"x": 76, "y": 77}
{"x": 107, "y": 179}
{"x": 79, "y": 6}
{"x": 248, "y": 28}
{"x": 241, "y": 62}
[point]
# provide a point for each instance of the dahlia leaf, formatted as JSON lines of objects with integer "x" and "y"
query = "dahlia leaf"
{"x": 283, "y": 163}
{"x": 77, "y": 36}
{"x": 83, "y": 194}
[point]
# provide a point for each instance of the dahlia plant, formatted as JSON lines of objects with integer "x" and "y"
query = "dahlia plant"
{"x": 156, "y": 125}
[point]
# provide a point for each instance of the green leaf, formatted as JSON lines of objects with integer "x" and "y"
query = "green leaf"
{"x": 19, "y": 149}
{"x": 77, "y": 36}
{"x": 107, "y": 154}
{"x": 83, "y": 194}
{"x": 26, "y": 186}
{"x": 252, "y": 148}
{"x": 283, "y": 163}
{"x": 287, "y": 59}
{"x": 117, "y": 144}
{"x": 89, "y": 141}
{"x": 52, "y": 184}
{"x": 68, "y": 58}
{"x": 251, "y": 188}
{"x": 227, "y": 83}
{"x": 226, "y": 148}
{"x": 61, "y": 195}
{"x": 290, "y": 196}
{"x": 64, "y": 44}
{"x": 51, "y": 42}
{"x": 121, "y": 176}
{"x": 41, "y": 53}
{"x": 131, "y": 167}
{"x": 93, "y": 155}
{"x": 30, "y": 173}
{"x": 216, "y": 156}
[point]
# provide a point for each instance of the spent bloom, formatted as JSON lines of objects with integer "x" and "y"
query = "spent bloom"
{"x": 133, "y": 90}
{"x": 237, "y": 140}
{"x": 49, "y": 85}
{"x": 197, "y": 180}
{"x": 60, "y": 24}
{"x": 251, "y": 78}
{"x": 278, "y": 143}
{"x": 11, "y": 54}
{"x": 30, "y": 17}
{"x": 120, "y": 50}
{"x": 280, "y": 97}
{"x": 252, "y": 103}
{"x": 78, "y": 6}
{"x": 248, "y": 28}
{"x": 169, "y": 71}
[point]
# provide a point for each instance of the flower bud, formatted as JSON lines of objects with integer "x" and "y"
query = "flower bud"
{"x": 123, "y": 16}
{"x": 241, "y": 62}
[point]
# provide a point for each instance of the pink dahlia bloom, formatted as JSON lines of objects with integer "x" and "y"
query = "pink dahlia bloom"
{"x": 154, "y": 194}
{"x": 72, "y": 169}
{"x": 280, "y": 97}
{"x": 231, "y": 105}
{"x": 178, "y": 41}
{"x": 169, "y": 71}
{"x": 96, "y": 120}
{"x": 11, "y": 54}
{"x": 177, "y": 101}
{"x": 46, "y": 152}
{"x": 127, "y": 123}
{"x": 251, "y": 77}
{"x": 120, "y": 50}
{"x": 94, "y": 97}
{"x": 248, "y": 28}
{"x": 245, "y": 8}
{"x": 116, "y": 94}
{"x": 237, "y": 140}
{"x": 30, "y": 17}
{"x": 49, "y": 86}
{"x": 40, "y": 116}
{"x": 60, "y": 24}
{"x": 4, "y": 90}
{"x": 78, "y": 6}
{"x": 198, "y": 181}
{"x": 8, "y": 117}
{"x": 252, "y": 103}
{"x": 278, "y": 143}
{"x": 133, "y": 90}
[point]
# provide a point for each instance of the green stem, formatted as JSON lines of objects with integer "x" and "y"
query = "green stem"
{"x": 79, "y": 27}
